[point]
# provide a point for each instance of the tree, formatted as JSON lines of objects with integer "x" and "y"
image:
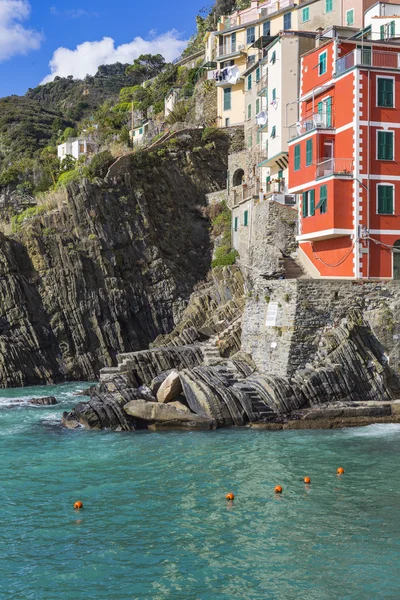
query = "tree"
{"x": 147, "y": 66}
{"x": 68, "y": 163}
{"x": 69, "y": 132}
{"x": 100, "y": 164}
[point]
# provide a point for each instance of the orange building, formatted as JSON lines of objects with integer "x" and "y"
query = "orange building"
{"x": 344, "y": 160}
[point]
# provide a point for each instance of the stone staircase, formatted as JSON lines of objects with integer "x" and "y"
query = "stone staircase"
{"x": 292, "y": 269}
{"x": 260, "y": 407}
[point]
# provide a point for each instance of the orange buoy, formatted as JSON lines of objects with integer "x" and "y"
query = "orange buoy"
{"x": 278, "y": 489}
{"x": 78, "y": 505}
{"x": 230, "y": 496}
{"x": 340, "y": 471}
{"x": 307, "y": 479}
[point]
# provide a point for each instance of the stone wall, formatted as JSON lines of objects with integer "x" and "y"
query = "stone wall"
{"x": 302, "y": 312}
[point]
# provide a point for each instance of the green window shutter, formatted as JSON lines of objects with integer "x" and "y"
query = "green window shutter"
{"x": 385, "y": 200}
{"x": 392, "y": 28}
{"x": 322, "y": 63}
{"x": 385, "y": 92}
{"x": 257, "y": 106}
{"x": 280, "y": 174}
{"x": 273, "y": 132}
{"x": 305, "y": 205}
{"x": 258, "y": 72}
{"x": 249, "y": 82}
{"x": 249, "y": 111}
{"x": 233, "y": 42}
{"x": 322, "y": 204}
{"x": 320, "y": 108}
{"x": 140, "y": 131}
{"x": 297, "y": 157}
{"x": 267, "y": 28}
{"x": 274, "y": 94}
{"x": 329, "y": 112}
{"x": 382, "y": 30}
{"x": 385, "y": 145}
{"x": 311, "y": 194}
{"x": 273, "y": 57}
{"x": 308, "y": 153}
{"x": 350, "y": 17}
{"x": 251, "y": 35}
{"x": 227, "y": 98}
{"x": 236, "y": 223}
{"x": 246, "y": 218}
{"x": 329, "y": 6}
{"x": 306, "y": 14}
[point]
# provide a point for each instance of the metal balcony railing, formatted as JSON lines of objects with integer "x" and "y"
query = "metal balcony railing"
{"x": 245, "y": 191}
{"x": 276, "y": 187}
{"x": 262, "y": 84}
{"x": 316, "y": 121}
{"x": 368, "y": 58}
{"x": 335, "y": 166}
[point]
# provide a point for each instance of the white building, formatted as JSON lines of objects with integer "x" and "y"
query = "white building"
{"x": 173, "y": 96}
{"x": 384, "y": 20}
{"x": 138, "y": 133}
{"x": 74, "y": 147}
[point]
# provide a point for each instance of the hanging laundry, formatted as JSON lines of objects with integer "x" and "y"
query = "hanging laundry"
{"x": 261, "y": 118}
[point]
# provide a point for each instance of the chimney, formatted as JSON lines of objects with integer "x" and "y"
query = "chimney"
{"x": 319, "y": 31}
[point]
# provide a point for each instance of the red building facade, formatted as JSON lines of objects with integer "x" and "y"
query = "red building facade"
{"x": 344, "y": 160}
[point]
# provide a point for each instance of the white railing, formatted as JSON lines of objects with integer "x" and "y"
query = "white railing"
{"x": 335, "y": 166}
{"x": 368, "y": 58}
{"x": 316, "y": 121}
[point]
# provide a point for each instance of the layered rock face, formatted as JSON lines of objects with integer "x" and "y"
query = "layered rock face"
{"x": 112, "y": 267}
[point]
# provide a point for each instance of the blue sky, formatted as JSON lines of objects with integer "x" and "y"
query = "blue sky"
{"x": 35, "y": 33}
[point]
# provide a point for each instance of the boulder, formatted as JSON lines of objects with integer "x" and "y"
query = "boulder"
{"x": 170, "y": 388}
{"x": 46, "y": 401}
{"x": 154, "y": 411}
{"x": 157, "y": 381}
{"x": 146, "y": 393}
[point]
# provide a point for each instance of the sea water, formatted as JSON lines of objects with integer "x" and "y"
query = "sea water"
{"x": 156, "y": 525}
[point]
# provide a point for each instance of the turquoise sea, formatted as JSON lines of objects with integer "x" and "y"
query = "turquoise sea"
{"x": 156, "y": 525}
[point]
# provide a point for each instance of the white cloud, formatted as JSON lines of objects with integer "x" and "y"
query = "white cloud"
{"x": 87, "y": 57}
{"x": 73, "y": 13}
{"x": 14, "y": 38}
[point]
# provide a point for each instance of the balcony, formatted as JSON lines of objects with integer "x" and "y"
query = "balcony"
{"x": 275, "y": 7}
{"x": 341, "y": 167}
{"x": 276, "y": 187}
{"x": 230, "y": 50}
{"x": 368, "y": 58}
{"x": 245, "y": 192}
{"x": 315, "y": 121}
{"x": 230, "y": 23}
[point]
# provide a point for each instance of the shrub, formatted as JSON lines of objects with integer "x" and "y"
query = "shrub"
{"x": 225, "y": 260}
{"x": 29, "y": 213}
{"x": 210, "y": 133}
{"x": 100, "y": 164}
{"x": 67, "y": 178}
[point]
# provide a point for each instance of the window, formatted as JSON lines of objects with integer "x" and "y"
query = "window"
{"x": 305, "y": 16}
{"x": 280, "y": 174}
{"x": 233, "y": 42}
{"x": 141, "y": 131}
{"x": 249, "y": 111}
{"x": 246, "y": 218}
{"x": 297, "y": 157}
{"x": 287, "y": 21}
{"x": 267, "y": 28}
{"x": 257, "y": 106}
{"x": 308, "y": 153}
{"x": 258, "y": 74}
{"x": 382, "y": 30}
{"x": 134, "y": 133}
{"x": 308, "y": 204}
{"x": 350, "y": 17}
{"x": 249, "y": 82}
{"x": 273, "y": 58}
{"x": 236, "y": 223}
{"x": 385, "y": 145}
{"x": 392, "y": 29}
{"x": 329, "y": 6}
{"x": 385, "y": 92}
{"x": 227, "y": 98}
{"x": 323, "y": 200}
{"x": 385, "y": 199}
{"x": 227, "y": 122}
{"x": 273, "y": 132}
{"x": 322, "y": 63}
{"x": 251, "y": 35}
{"x": 274, "y": 94}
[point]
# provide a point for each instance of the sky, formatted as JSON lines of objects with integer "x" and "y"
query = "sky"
{"x": 40, "y": 39}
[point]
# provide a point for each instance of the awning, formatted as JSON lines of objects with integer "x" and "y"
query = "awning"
{"x": 263, "y": 41}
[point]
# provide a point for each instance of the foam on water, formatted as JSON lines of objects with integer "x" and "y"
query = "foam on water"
{"x": 156, "y": 526}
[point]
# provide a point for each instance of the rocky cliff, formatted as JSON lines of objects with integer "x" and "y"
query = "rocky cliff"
{"x": 112, "y": 267}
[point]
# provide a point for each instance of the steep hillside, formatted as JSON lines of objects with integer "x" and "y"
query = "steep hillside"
{"x": 112, "y": 267}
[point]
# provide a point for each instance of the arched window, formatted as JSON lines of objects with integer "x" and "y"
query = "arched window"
{"x": 238, "y": 177}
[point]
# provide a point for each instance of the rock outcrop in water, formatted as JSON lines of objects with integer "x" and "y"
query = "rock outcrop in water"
{"x": 350, "y": 368}
{"x": 112, "y": 267}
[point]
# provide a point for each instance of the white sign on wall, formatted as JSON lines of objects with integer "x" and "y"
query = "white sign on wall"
{"x": 272, "y": 315}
